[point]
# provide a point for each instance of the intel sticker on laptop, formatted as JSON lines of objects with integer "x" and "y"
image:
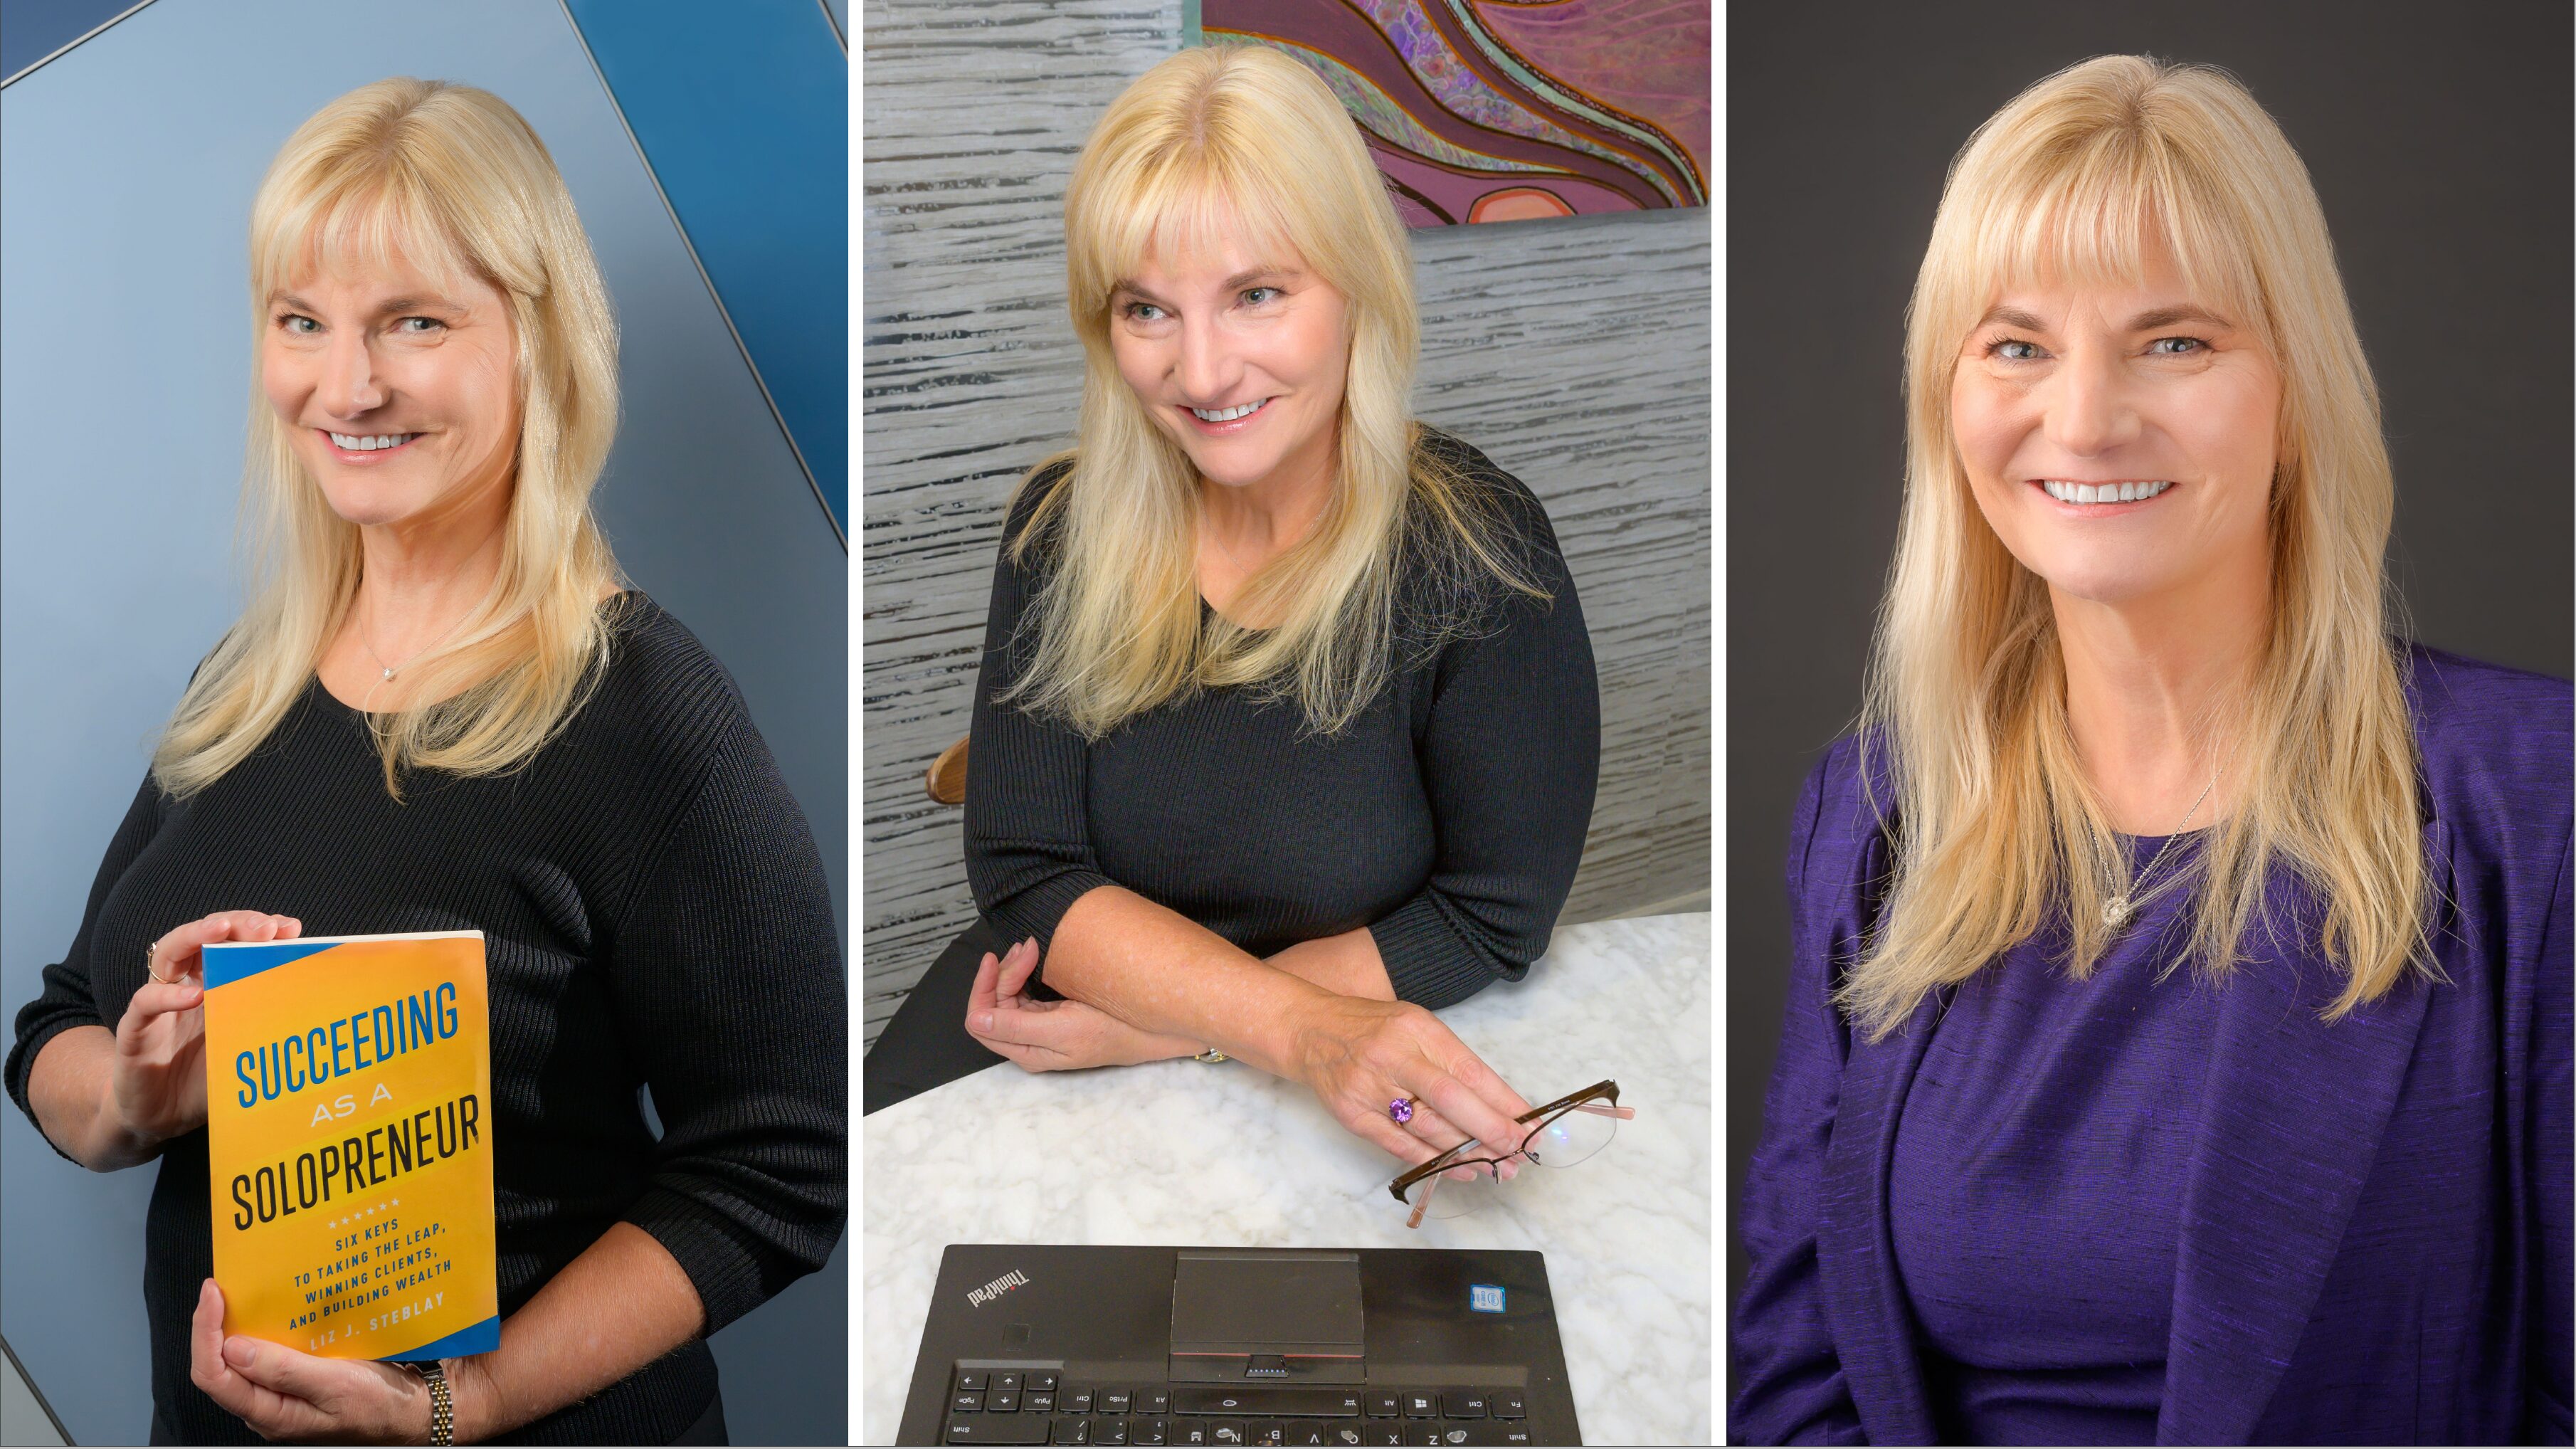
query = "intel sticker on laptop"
{"x": 1484, "y": 1298}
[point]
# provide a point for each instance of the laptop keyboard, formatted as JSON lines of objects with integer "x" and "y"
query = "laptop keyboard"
{"x": 990, "y": 1405}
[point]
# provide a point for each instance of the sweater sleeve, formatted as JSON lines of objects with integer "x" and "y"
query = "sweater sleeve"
{"x": 1028, "y": 831}
{"x": 1509, "y": 762}
{"x": 728, "y": 987}
{"x": 2549, "y": 1137}
{"x": 67, "y": 1000}
{"x": 1789, "y": 1386}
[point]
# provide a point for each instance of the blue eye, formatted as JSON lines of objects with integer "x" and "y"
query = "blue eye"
{"x": 2176, "y": 346}
{"x": 427, "y": 324}
{"x": 2014, "y": 350}
{"x": 1144, "y": 311}
{"x": 298, "y": 324}
{"x": 1258, "y": 295}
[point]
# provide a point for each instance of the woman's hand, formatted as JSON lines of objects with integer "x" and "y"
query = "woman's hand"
{"x": 157, "y": 1078}
{"x": 294, "y": 1396}
{"x": 1359, "y": 1055}
{"x": 1053, "y": 1036}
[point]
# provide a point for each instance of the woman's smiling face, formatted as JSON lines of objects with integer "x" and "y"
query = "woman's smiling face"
{"x": 2121, "y": 440}
{"x": 400, "y": 390}
{"x": 1238, "y": 355}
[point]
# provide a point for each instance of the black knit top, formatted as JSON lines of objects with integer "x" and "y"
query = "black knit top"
{"x": 1447, "y": 817}
{"x": 654, "y": 915}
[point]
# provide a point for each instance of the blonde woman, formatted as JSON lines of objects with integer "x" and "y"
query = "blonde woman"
{"x": 441, "y": 711}
{"x": 2178, "y": 1037}
{"x": 1287, "y": 728}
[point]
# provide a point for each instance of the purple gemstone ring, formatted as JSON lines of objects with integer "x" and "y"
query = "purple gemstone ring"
{"x": 1401, "y": 1109}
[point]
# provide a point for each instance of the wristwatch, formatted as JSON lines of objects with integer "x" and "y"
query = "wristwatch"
{"x": 442, "y": 1401}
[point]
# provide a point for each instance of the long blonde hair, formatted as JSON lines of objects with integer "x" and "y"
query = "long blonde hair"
{"x": 1240, "y": 133}
{"x": 1995, "y": 822}
{"x": 451, "y": 179}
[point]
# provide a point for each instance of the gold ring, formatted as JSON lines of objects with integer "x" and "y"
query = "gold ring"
{"x": 155, "y": 975}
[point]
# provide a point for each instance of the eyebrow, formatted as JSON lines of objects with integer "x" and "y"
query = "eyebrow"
{"x": 1240, "y": 279}
{"x": 2146, "y": 321}
{"x": 389, "y": 308}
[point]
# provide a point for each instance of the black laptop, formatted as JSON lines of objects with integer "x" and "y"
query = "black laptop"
{"x": 1239, "y": 1346}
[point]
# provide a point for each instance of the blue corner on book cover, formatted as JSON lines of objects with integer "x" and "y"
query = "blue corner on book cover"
{"x": 1484, "y": 1298}
{"x": 234, "y": 962}
{"x": 464, "y": 1342}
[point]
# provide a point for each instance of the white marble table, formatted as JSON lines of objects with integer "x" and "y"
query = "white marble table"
{"x": 1179, "y": 1153}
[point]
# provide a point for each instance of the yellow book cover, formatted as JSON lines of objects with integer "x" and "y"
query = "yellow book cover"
{"x": 349, "y": 1139}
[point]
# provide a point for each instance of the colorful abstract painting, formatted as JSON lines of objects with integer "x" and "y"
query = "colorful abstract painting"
{"x": 1507, "y": 110}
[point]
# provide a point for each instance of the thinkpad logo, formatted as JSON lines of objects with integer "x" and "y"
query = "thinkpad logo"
{"x": 996, "y": 1288}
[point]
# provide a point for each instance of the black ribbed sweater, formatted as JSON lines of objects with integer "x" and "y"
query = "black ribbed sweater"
{"x": 1447, "y": 818}
{"x": 654, "y": 913}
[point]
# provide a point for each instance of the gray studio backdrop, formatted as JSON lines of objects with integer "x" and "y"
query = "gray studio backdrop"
{"x": 1575, "y": 352}
{"x": 124, "y": 379}
{"x": 2438, "y": 138}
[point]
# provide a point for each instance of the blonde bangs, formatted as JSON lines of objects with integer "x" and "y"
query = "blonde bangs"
{"x": 2078, "y": 181}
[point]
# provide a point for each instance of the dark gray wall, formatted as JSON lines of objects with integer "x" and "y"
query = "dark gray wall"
{"x": 128, "y": 167}
{"x": 2438, "y": 137}
{"x": 1574, "y": 352}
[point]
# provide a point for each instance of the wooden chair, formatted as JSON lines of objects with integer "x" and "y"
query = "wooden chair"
{"x": 945, "y": 781}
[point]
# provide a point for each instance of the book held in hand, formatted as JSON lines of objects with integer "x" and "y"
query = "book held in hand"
{"x": 349, "y": 1141}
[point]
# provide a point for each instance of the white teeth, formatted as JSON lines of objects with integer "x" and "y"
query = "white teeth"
{"x": 2102, "y": 493}
{"x": 1227, "y": 415}
{"x": 368, "y": 443}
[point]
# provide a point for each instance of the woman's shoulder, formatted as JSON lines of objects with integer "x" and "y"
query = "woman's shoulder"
{"x": 2497, "y": 744}
{"x": 662, "y": 702}
{"x": 1489, "y": 485}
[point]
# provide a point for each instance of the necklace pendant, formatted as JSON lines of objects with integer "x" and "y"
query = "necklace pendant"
{"x": 2115, "y": 912}
{"x": 389, "y": 674}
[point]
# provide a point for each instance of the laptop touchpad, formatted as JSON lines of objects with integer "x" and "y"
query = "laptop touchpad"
{"x": 1241, "y": 1306}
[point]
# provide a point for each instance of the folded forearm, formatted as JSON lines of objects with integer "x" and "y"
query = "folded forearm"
{"x": 619, "y": 1306}
{"x": 1162, "y": 973}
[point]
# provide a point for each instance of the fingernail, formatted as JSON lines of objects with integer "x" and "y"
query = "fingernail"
{"x": 984, "y": 1021}
{"x": 237, "y": 1351}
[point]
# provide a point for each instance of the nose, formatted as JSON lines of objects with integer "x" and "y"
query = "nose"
{"x": 1209, "y": 365}
{"x": 349, "y": 387}
{"x": 2091, "y": 412}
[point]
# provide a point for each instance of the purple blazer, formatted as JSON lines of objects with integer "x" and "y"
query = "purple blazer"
{"x": 2374, "y": 1226}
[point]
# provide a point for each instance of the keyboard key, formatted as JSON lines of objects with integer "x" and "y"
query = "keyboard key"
{"x": 1153, "y": 1401}
{"x": 970, "y": 1381}
{"x": 1148, "y": 1431}
{"x": 1006, "y": 1383}
{"x": 1037, "y": 1403}
{"x": 1193, "y": 1431}
{"x": 1472, "y": 1432}
{"x": 1462, "y": 1404}
{"x": 1116, "y": 1401}
{"x": 965, "y": 1403}
{"x": 1041, "y": 1383}
{"x": 1109, "y": 1431}
{"x": 1421, "y": 1431}
{"x": 1001, "y": 1402}
{"x": 1286, "y": 1403}
{"x": 1068, "y": 1430}
{"x": 1308, "y": 1432}
{"x": 1227, "y": 1431}
{"x": 996, "y": 1429}
{"x": 1269, "y": 1432}
{"x": 1382, "y": 1434}
{"x": 1385, "y": 1406}
{"x": 1421, "y": 1406}
{"x": 1511, "y": 1406}
{"x": 1077, "y": 1400}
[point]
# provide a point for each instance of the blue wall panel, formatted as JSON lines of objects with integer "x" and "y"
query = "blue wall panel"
{"x": 742, "y": 112}
{"x": 128, "y": 167}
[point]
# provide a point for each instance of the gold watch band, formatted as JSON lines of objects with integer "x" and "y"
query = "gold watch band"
{"x": 442, "y": 1401}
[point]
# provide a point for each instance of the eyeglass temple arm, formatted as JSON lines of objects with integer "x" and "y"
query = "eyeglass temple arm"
{"x": 1597, "y": 1109}
{"x": 1422, "y": 1204}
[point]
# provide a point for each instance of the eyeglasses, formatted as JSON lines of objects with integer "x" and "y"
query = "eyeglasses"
{"x": 1561, "y": 1134}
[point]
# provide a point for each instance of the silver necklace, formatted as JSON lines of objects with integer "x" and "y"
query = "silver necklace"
{"x": 391, "y": 669}
{"x": 2121, "y": 906}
